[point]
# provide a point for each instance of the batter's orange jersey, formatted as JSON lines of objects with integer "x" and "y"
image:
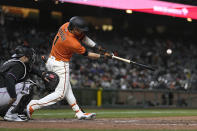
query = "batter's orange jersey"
{"x": 65, "y": 44}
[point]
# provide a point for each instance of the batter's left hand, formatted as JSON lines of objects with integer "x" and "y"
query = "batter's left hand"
{"x": 106, "y": 55}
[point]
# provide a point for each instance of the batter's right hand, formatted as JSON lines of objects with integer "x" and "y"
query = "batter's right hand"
{"x": 100, "y": 49}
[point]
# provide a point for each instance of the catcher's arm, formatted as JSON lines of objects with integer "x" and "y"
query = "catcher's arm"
{"x": 51, "y": 79}
{"x": 44, "y": 59}
{"x": 44, "y": 77}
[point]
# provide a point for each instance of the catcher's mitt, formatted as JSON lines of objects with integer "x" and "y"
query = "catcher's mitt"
{"x": 51, "y": 80}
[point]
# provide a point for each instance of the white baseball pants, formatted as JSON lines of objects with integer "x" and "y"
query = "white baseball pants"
{"x": 63, "y": 89}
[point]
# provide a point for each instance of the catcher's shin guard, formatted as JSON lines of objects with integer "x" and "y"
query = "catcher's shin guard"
{"x": 23, "y": 102}
{"x": 4, "y": 109}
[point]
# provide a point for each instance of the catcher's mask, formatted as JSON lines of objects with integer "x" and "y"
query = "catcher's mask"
{"x": 21, "y": 51}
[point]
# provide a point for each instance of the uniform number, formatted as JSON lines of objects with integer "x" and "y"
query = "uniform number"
{"x": 56, "y": 40}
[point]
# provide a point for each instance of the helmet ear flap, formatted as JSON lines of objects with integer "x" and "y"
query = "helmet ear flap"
{"x": 70, "y": 26}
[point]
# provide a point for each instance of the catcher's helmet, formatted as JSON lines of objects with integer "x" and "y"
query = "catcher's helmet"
{"x": 79, "y": 23}
{"x": 25, "y": 51}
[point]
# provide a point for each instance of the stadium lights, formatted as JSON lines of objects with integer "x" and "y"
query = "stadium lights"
{"x": 107, "y": 27}
{"x": 56, "y": 2}
{"x": 96, "y": 27}
{"x": 104, "y": 27}
{"x": 110, "y": 27}
{"x": 129, "y": 11}
{"x": 189, "y": 19}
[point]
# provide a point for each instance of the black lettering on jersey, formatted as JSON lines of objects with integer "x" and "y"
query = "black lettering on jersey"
{"x": 62, "y": 34}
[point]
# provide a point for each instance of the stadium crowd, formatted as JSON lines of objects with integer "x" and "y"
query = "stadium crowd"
{"x": 173, "y": 71}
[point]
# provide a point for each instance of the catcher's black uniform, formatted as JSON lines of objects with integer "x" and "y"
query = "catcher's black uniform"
{"x": 15, "y": 71}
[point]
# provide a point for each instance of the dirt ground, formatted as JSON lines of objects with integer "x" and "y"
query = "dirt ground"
{"x": 111, "y": 123}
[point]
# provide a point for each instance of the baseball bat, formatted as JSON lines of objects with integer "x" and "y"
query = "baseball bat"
{"x": 133, "y": 62}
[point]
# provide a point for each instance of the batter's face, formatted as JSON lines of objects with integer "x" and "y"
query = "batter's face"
{"x": 77, "y": 32}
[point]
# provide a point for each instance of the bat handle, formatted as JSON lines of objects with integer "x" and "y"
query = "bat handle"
{"x": 121, "y": 59}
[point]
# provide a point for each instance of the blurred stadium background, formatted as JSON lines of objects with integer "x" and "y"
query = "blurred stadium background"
{"x": 163, "y": 36}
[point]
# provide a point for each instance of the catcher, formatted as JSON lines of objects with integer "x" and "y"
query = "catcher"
{"x": 16, "y": 89}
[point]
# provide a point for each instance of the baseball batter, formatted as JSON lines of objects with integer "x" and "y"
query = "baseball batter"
{"x": 66, "y": 42}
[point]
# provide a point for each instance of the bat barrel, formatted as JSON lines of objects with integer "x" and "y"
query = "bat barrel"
{"x": 143, "y": 66}
{"x": 133, "y": 62}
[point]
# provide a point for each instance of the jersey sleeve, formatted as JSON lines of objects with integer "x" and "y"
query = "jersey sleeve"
{"x": 12, "y": 76}
{"x": 77, "y": 47}
{"x": 80, "y": 50}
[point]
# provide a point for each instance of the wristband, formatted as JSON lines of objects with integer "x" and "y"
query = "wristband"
{"x": 102, "y": 56}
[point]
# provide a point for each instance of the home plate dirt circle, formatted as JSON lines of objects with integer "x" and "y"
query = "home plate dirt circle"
{"x": 109, "y": 123}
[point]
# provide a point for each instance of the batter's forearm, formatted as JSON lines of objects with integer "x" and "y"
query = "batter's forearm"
{"x": 96, "y": 56}
{"x": 93, "y": 55}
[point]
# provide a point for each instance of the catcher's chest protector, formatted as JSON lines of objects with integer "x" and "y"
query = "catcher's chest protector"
{"x": 9, "y": 64}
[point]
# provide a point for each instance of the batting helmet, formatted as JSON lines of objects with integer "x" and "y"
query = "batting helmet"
{"x": 25, "y": 51}
{"x": 79, "y": 23}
